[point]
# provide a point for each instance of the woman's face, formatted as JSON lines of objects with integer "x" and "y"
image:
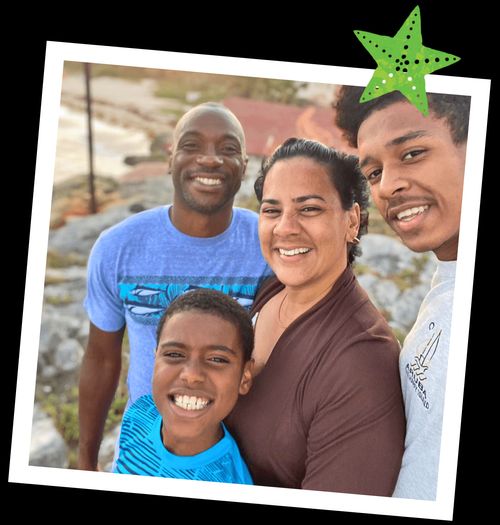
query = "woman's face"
{"x": 303, "y": 229}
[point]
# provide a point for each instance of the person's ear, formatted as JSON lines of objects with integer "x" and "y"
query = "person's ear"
{"x": 353, "y": 222}
{"x": 170, "y": 157}
{"x": 246, "y": 377}
{"x": 245, "y": 165}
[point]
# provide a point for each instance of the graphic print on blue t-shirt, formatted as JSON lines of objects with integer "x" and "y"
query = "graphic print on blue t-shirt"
{"x": 147, "y": 297}
{"x": 142, "y": 451}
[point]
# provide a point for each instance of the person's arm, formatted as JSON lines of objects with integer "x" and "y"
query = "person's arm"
{"x": 99, "y": 377}
{"x": 356, "y": 436}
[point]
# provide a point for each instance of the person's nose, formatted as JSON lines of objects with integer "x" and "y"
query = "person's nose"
{"x": 288, "y": 224}
{"x": 392, "y": 183}
{"x": 192, "y": 373}
{"x": 209, "y": 158}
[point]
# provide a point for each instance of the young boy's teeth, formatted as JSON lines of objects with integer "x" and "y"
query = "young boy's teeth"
{"x": 295, "y": 251}
{"x": 410, "y": 213}
{"x": 191, "y": 402}
{"x": 208, "y": 182}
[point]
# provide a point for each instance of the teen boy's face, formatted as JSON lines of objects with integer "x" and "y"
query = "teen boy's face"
{"x": 199, "y": 373}
{"x": 416, "y": 173}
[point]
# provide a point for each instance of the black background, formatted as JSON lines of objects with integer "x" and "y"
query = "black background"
{"x": 305, "y": 33}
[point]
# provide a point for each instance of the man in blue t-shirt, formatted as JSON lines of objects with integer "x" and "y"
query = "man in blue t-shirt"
{"x": 203, "y": 363}
{"x": 139, "y": 266}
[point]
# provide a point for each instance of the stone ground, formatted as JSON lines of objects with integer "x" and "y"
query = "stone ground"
{"x": 395, "y": 278}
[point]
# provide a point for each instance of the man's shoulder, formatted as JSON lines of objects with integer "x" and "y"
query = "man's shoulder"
{"x": 246, "y": 215}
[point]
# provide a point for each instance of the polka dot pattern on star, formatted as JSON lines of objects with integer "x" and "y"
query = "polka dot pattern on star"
{"x": 402, "y": 62}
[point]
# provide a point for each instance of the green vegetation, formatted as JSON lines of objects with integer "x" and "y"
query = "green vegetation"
{"x": 62, "y": 407}
{"x": 361, "y": 269}
{"x": 59, "y": 300}
{"x": 205, "y": 87}
{"x": 377, "y": 224}
{"x": 64, "y": 260}
{"x": 202, "y": 86}
{"x": 250, "y": 203}
{"x": 399, "y": 334}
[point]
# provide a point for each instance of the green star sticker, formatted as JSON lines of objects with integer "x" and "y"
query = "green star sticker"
{"x": 402, "y": 62}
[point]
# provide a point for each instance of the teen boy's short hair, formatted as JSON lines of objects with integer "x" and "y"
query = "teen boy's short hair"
{"x": 215, "y": 303}
{"x": 351, "y": 113}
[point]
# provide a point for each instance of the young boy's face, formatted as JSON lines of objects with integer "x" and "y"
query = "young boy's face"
{"x": 416, "y": 173}
{"x": 199, "y": 373}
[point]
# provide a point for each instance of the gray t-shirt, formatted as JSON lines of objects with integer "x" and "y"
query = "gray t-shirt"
{"x": 423, "y": 364}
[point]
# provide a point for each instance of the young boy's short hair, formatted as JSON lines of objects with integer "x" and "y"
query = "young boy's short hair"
{"x": 215, "y": 303}
{"x": 351, "y": 113}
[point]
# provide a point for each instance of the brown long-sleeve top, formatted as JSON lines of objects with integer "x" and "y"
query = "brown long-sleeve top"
{"x": 326, "y": 411}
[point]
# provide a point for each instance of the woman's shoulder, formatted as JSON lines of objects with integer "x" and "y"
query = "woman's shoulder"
{"x": 268, "y": 289}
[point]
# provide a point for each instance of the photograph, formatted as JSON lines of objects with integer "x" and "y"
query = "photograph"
{"x": 242, "y": 282}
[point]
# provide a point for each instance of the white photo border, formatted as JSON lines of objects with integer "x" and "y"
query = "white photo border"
{"x": 20, "y": 470}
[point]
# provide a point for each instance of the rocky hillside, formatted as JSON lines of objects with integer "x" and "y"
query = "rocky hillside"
{"x": 395, "y": 278}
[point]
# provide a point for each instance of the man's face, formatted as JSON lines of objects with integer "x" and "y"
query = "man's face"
{"x": 208, "y": 160}
{"x": 416, "y": 173}
{"x": 198, "y": 375}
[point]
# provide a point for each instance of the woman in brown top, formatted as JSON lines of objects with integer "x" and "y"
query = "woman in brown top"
{"x": 325, "y": 411}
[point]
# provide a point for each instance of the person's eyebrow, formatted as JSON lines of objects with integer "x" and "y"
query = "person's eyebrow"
{"x": 396, "y": 142}
{"x": 300, "y": 199}
{"x": 221, "y": 348}
{"x": 406, "y": 137}
{"x": 174, "y": 344}
{"x": 366, "y": 161}
{"x": 304, "y": 198}
{"x": 182, "y": 346}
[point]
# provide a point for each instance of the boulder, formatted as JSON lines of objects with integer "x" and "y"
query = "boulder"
{"x": 385, "y": 255}
{"x": 107, "y": 450}
{"x": 79, "y": 234}
{"x": 404, "y": 309}
{"x": 68, "y": 355}
{"x": 48, "y": 448}
{"x": 381, "y": 291}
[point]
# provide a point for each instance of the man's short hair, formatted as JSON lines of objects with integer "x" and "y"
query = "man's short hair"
{"x": 351, "y": 113}
{"x": 213, "y": 302}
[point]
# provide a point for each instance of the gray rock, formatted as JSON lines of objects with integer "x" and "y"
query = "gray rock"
{"x": 385, "y": 292}
{"x": 79, "y": 234}
{"x": 107, "y": 450}
{"x": 429, "y": 268}
{"x": 49, "y": 338}
{"x": 47, "y": 372}
{"x": 368, "y": 282}
{"x": 48, "y": 448}
{"x": 405, "y": 309}
{"x": 385, "y": 255}
{"x": 58, "y": 295}
{"x": 382, "y": 292}
{"x": 68, "y": 355}
{"x": 83, "y": 333}
{"x": 71, "y": 273}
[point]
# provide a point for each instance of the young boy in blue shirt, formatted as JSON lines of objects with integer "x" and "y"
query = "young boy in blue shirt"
{"x": 202, "y": 364}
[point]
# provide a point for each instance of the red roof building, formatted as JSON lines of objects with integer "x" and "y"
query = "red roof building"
{"x": 268, "y": 124}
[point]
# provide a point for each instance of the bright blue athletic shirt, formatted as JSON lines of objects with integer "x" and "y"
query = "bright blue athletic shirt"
{"x": 139, "y": 266}
{"x": 142, "y": 451}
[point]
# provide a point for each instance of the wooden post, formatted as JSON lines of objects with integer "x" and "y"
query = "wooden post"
{"x": 92, "y": 203}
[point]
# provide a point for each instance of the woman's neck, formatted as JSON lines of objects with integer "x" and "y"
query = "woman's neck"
{"x": 297, "y": 300}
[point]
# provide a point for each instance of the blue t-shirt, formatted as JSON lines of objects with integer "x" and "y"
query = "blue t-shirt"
{"x": 142, "y": 451}
{"x": 139, "y": 266}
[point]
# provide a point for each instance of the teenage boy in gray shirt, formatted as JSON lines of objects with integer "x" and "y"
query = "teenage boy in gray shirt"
{"x": 415, "y": 168}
